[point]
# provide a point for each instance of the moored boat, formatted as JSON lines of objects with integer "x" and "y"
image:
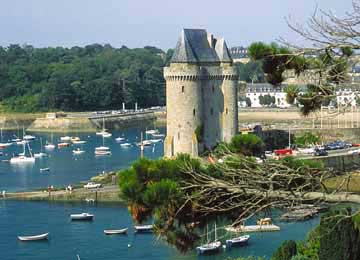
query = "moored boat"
{"x": 22, "y": 158}
{"x": 115, "y": 231}
{"x": 78, "y": 151}
{"x": 119, "y": 139}
{"x": 143, "y": 228}
{"x": 65, "y": 138}
{"x": 62, "y": 145}
{"x": 29, "y": 137}
{"x": 100, "y": 152}
{"x": 45, "y": 169}
{"x": 79, "y": 142}
{"x": 125, "y": 145}
{"x": 238, "y": 241}
{"x": 152, "y": 131}
{"x": 34, "y": 238}
{"x": 209, "y": 247}
{"x": 82, "y": 216}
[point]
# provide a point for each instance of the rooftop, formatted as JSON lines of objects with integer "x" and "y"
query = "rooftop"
{"x": 196, "y": 45}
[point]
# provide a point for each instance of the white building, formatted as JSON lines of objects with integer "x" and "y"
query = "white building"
{"x": 347, "y": 95}
{"x": 254, "y": 91}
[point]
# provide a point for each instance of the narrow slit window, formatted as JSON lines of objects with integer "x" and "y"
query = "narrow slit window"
{"x": 182, "y": 89}
{"x": 194, "y": 112}
{"x": 226, "y": 111}
{"x": 213, "y": 89}
{"x": 211, "y": 111}
{"x": 178, "y": 135}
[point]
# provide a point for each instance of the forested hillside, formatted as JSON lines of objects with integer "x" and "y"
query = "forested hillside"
{"x": 94, "y": 77}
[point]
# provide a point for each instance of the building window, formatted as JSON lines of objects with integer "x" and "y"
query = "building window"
{"x": 178, "y": 135}
{"x": 194, "y": 112}
{"x": 213, "y": 89}
{"x": 211, "y": 111}
{"x": 226, "y": 111}
{"x": 182, "y": 89}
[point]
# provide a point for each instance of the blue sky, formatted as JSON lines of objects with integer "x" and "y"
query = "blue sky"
{"x": 136, "y": 23}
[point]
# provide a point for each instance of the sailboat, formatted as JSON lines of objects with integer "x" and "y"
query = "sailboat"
{"x": 27, "y": 137}
{"x": 102, "y": 150}
{"x": 238, "y": 241}
{"x": 50, "y": 146}
{"x": 3, "y": 145}
{"x": 78, "y": 151}
{"x": 41, "y": 154}
{"x": 209, "y": 247}
{"x": 103, "y": 132}
{"x": 22, "y": 158}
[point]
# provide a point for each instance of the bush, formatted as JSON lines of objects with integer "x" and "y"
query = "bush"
{"x": 286, "y": 251}
{"x": 248, "y": 144}
{"x": 306, "y": 139}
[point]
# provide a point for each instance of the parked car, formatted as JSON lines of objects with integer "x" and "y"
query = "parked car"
{"x": 92, "y": 185}
{"x": 320, "y": 152}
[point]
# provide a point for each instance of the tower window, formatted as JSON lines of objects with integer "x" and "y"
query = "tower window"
{"x": 194, "y": 112}
{"x": 211, "y": 111}
{"x": 226, "y": 111}
{"x": 182, "y": 89}
{"x": 213, "y": 89}
{"x": 178, "y": 135}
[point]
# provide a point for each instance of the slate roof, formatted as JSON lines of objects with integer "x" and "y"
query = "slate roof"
{"x": 193, "y": 46}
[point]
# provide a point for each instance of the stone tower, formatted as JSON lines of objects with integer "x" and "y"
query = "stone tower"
{"x": 201, "y": 94}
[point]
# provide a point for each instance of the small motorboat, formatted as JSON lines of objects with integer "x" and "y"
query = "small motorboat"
{"x": 115, "y": 231}
{"x": 79, "y": 142}
{"x": 29, "y": 137}
{"x": 49, "y": 146}
{"x": 158, "y": 135}
{"x": 65, "y": 138}
{"x": 74, "y": 139}
{"x": 152, "y": 131}
{"x": 21, "y": 142}
{"x": 209, "y": 247}
{"x": 22, "y": 159}
{"x": 62, "y": 145}
{"x": 82, "y": 216}
{"x": 119, "y": 139}
{"x": 125, "y": 145}
{"x": 34, "y": 238}
{"x": 40, "y": 155}
{"x": 97, "y": 152}
{"x": 4, "y": 145}
{"x": 106, "y": 135}
{"x": 238, "y": 241}
{"x": 45, "y": 169}
{"x": 78, "y": 151}
{"x": 153, "y": 141}
{"x": 143, "y": 228}
{"x": 102, "y": 148}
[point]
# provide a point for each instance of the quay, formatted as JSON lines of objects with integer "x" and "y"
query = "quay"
{"x": 253, "y": 228}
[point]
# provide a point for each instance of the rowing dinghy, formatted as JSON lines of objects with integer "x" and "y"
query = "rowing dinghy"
{"x": 238, "y": 241}
{"x": 34, "y": 238}
{"x": 143, "y": 228}
{"x": 115, "y": 231}
{"x": 82, "y": 216}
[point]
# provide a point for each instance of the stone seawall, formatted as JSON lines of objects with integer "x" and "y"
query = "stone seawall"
{"x": 62, "y": 125}
{"x": 332, "y": 134}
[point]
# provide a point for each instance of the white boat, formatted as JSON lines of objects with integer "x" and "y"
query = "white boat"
{"x": 41, "y": 154}
{"x": 65, "y": 138}
{"x": 125, "y": 145}
{"x": 21, "y": 142}
{"x": 3, "y": 145}
{"x": 79, "y": 142}
{"x": 153, "y": 141}
{"x": 29, "y": 137}
{"x": 119, "y": 139}
{"x": 209, "y": 247}
{"x": 34, "y": 238}
{"x": 152, "y": 131}
{"x": 62, "y": 145}
{"x": 74, "y": 139}
{"x": 115, "y": 231}
{"x": 50, "y": 146}
{"x": 44, "y": 169}
{"x": 107, "y": 135}
{"x": 78, "y": 151}
{"x": 102, "y": 152}
{"x": 102, "y": 148}
{"x": 22, "y": 158}
{"x": 238, "y": 241}
{"x": 103, "y": 132}
{"x": 158, "y": 135}
{"x": 82, "y": 216}
{"x": 144, "y": 228}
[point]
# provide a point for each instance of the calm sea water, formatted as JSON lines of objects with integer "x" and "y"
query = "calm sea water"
{"x": 67, "y": 239}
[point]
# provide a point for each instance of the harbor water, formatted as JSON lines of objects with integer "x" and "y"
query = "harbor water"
{"x": 68, "y": 239}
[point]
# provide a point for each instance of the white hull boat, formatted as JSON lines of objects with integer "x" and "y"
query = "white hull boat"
{"x": 115, "y": 231}
{"x": 102, "y": 148}
{"x": 4, "y": 145}
{"x": 39, "y": 155}
{"x": 49, "y": 146}
{"x": 238, "y": 241}
{"x": 78, "y": 151}
{"x": 151, "y": 132}
{"x": 125, "y": 145}
{"x": 79, "y": 142}
{"x": 82, "y": 216}
{"x": 102, "y": 153}
{"x": 209, "y": 247}
{"x": 22, "y": 142}
{"x": 22, "y": 159}
{"x": 153, "y": 141}
{"x": 107, "y": 135}
{"x": 44, "y": 169}
{"x": 119, "y": 139}
{"x": 144, "y": 228}
{"x": 65, "y": 138}
{"x": 34, "y": 238}
{"x": 29, "y": 137}
{"x": 158, "y": 135}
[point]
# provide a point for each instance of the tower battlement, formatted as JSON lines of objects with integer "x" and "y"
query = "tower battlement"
{"x": 201, "y": 94}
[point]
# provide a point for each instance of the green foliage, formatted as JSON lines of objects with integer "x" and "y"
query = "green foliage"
{"x": 251, "y": 72}
{"x": 302, "y": 163}
{"x": 248, "y": 101}
{"x": 292, "y": 91}
{"x": 310, "y": 247}
{"x": 286, "y": 251}
{"x": 306, "y": 139}
{"x": 275, "y": 60}
{"x": 300, "y": 257}
{"x": 340, "y": 239}
{"x": 199, "y": 132}
{"x": 94, "y": 77}
{"x": 248, "y": 258}
{"x": 266, "y": 100}
{"x": 247, "y": 144}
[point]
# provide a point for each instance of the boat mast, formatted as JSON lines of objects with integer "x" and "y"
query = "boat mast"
{"x": 215, "y": 233}
{"x": 31, "y": 155}
{"x": 40, "y": 144}
{"x": 1, "y": 134}
{"x": 207, "y": 233}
